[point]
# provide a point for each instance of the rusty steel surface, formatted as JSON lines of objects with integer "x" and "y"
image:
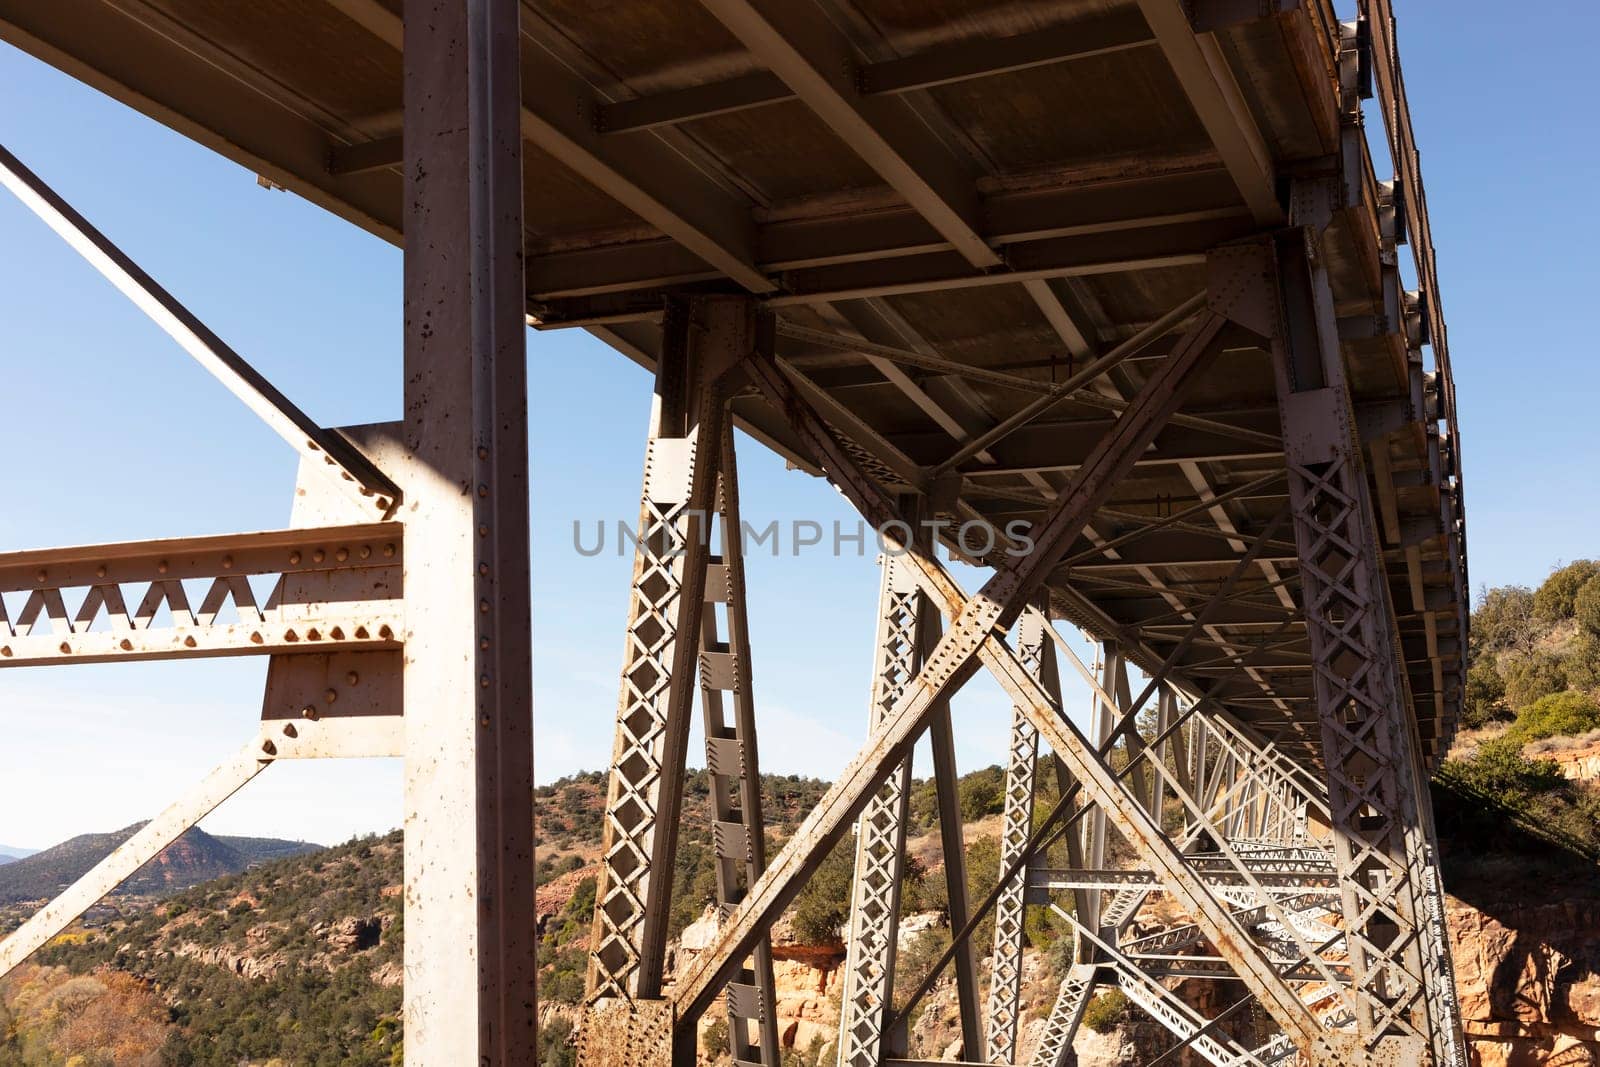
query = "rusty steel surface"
{"x": 1122, "y": 274}
{"x": 924, "y": 186}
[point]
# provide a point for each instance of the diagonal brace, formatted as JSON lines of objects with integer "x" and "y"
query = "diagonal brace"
{"x": 327, "y": 448}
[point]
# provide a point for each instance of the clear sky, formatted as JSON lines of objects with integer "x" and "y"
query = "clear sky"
{"x": 112, "y": 433}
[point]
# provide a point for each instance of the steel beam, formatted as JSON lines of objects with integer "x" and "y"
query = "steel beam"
{"x": 332, "y": 588}
{"x": 643, "y": 175}
{"x": 197, "y": 339}
{"x": 942, "y": 65}
{"x": 738, "y": 832}
{"x": 660, "y": 653}
{"x": 813, "y": 57}
{"x": 1005, "y": 982}
{"x": 1209, "y": 84}
{"x": 867, "y": 1001}
{"x": 470, "y": 930}
{"x": 1367, "y": 736}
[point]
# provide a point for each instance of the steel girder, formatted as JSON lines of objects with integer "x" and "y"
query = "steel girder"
{"x": 1377, "y": 795}
{"x": 1005, "y": 982}
{"x": 738, "y": 831}
{"x": 663, "y": 645}
{"x": 868, "y": 998}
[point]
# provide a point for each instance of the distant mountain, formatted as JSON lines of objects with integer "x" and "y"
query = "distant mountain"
{"x": 194, "y": 858}
{"x": 11, "y": 853}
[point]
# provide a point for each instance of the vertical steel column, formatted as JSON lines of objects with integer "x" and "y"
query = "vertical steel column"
{"x": 469, "y": 953}
{"x": 1037, "y": 652}
{"x": 702, "y": 339}
{"x": 942, "y": 743}
{"x": 1366, "y": 733}
{"x": 737, "y": 830}
{"x": 1055, "y": 1045}
{"x": 880, "y": 836}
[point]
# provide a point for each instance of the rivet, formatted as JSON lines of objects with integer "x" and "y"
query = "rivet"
{"x": 256, "y": 638}
{"x": 361, "y": 633}
{"x": 331, "y": 695}
{"x": 385, "y": 633}
{"x": 100, "y": 571}
{"x": 188, "y": 642}
{"x": 40, "y": 576}
{"x": 366, "y": 550}
{"x": 313, "y": 634}
{"x": 289, "y": 730}
{"x": 318, "y": 556}
{"x": 483, "y": 453}
{"x": 484, "y": 643}
{"x": 162, "y": 567}
{"x": 483, "y": 606}
{"x": 337, "y": 633}
{"x": 309, "y": 712}
{"x": 227, "y": 563}
{"x": 66, "y": 649}
{"x": 483, "y": 531}
{"x": 352, "y": 678}
{"x": 483, "y": 569}
{"x": 483, "y": 490}
{"x": 290, "y": 636}
{"x": 383, "y": 503}
{"x": 342, "y": 555}
{"x": 269, "y": 748}
{"x": 388, "y": 551}
{"x": 484, "y": 721}
{"x": 483, "y": 681}
{"x": 5, "y": 650}
{"x": 126, "y": 645}
{"x": 294, "y": 559}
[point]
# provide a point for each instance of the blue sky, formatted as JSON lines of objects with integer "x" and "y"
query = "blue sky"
{"x": 112, "y": 433}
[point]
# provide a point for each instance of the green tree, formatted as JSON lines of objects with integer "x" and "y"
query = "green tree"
{"x": 983, "y": 793}
{"x": 1556, "y": 598}
{"x": 1586, "y": 605}
{"x": 1504, "y": 620}
{"x": 1485, "y": 697}
{"x": 824, "y": 904}
{"x": 1530, "y": 677}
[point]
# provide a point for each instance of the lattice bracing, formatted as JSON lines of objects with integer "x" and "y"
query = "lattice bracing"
{"x": 660, "y": 650}
{"x": 1005, "y": 984}
{"x": 275, "y": 592}
{"x": 880, "y": 836}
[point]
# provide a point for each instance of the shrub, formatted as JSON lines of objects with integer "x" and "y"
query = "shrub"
{"x": 1106, "y": 1011}
{"x": 1498, "y": 768}
{"x": 1556, "y": 714}
{"x": 1557, "y": 596}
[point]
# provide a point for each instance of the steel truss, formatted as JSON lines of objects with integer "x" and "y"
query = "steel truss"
{"x": 1314, "y": 887}
{"x": 1259, "y": 866}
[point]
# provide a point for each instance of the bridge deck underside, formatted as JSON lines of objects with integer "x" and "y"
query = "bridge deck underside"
{"x": 951, "y": 205}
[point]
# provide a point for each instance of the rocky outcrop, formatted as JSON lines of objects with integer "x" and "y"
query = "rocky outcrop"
{"x": 1528, "y": 978}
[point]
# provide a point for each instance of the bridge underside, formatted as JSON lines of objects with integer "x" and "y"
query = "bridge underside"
{"x": 1102, "y": 297}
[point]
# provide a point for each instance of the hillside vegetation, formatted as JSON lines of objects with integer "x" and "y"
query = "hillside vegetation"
{"x": 1533, "y": 693}
{"x": 296, "y": 959}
